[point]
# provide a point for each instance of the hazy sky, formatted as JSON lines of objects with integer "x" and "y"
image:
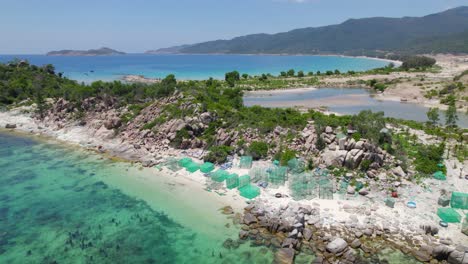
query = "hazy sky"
{"x": 38, "y": 26}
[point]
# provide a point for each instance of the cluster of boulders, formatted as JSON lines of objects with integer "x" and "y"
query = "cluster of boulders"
{"x": 347, "y": 152}
{"x": 305, "y": 142}
{"x": 292, "y": 228}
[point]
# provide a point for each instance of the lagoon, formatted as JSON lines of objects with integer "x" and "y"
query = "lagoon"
{"x": 347, "y": 101}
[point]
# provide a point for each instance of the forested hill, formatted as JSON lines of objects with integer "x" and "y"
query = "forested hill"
{"x": 442, "y": 32}
{"x": 92, "y": 52}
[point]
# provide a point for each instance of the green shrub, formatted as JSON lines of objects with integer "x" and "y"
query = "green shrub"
{"x": 380, "y": 87}
{"x": 218, "y": 154}
{"x": 427, "y": 158}
{"x": 320, "y": 143}
{"x": 357, "y": 136}
{"x": 258, "y": 150}
{"x": 179, "y": 138}
{"x": 284, "y": 155}
{"x": 365, "y": 165}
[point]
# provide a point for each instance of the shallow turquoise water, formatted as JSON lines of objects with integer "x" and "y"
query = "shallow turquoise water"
{"x": 55, "y": 207}
{"x": 197, "y": 67}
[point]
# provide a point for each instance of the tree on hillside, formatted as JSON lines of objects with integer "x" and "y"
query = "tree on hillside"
{"x": 433, "y": 115}
{"x": 300, "y": 74}
{"x": 232, "y": 77}
{"x": 39, "y": 97}
{"x": 291, "y": 73}
{"x": 414, "y": 62}
{"x": 369, "y": 124}
{"x": 451, "y": 116}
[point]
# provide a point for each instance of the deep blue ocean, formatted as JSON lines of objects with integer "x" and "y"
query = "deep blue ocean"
{"x": 196, "y": 67}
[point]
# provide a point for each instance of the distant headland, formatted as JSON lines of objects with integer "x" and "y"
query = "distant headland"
{"x": 92, "y": 52}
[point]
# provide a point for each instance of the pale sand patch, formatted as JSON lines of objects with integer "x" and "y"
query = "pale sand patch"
{"x": 337, "y": 100}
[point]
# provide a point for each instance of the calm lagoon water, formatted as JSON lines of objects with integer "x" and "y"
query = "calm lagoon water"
{"x": 89, "y": 68}
{"x": 344, "y": 101}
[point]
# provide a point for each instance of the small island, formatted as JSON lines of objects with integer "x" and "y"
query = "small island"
{"x": 92, "y": 52}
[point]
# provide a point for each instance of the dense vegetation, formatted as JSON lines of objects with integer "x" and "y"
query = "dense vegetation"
{"x": 442, "y": 32}
{"x": 21, "y": 83}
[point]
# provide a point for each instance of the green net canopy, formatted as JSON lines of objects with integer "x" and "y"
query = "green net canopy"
{"x": 303, "y": 186}
{"x": 296, "y": 165}
{"x": 192, "y": 167}
{"x": 207, "y": 167}
{"x": 232, "y": 181}
{"x": 278, "y": 175}
{"x": 258, "y": 174}
{"x": 465, "y": 225}
{"x": 184, "y": 162}
{"x": 244, "y": 181}
{"x": 449, "y": 215}
{"x": 250, "y": 191}
{"x": 172, "y": 164}
{"x": 459, "y": 200}
{"x": 439, "y": 175}
{"x": 219, "y": 175}
{"x": 245, "y": 162}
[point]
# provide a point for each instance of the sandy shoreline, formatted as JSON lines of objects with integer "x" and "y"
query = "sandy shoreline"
{"x": 81, "y": 137}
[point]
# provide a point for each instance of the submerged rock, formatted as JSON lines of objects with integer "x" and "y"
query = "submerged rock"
{"x": 227, "y": 210}
{"x": 249, "y": 219}
{"x": 284, "y": 256}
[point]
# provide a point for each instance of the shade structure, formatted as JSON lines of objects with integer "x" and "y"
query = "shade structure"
{"x": 232, "y": 181}
{"x": 459, "y": 200}
{"x": 296, "y": 165}
{"x": 244, "y": 181}
{"x": 449, "y": 215}
{"x": 207, "y": 167}
{"x": 245, "y": 162}
{"x": 184, "y": 162}
{"x": 219, "y": 175}
{"x": 250, "y": 191}
{"x": 439, "y": 175}
{"x": 192, "y": 167}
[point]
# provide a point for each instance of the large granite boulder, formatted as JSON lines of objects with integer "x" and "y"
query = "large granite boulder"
{"x": 337, "y": 245}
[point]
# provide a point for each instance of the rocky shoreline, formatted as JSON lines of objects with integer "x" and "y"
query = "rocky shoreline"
{"x": 335, "y": 234}
{"x": 297, "y": 227}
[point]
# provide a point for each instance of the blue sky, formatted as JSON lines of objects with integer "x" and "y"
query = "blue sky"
{"x": 38, "y": 26}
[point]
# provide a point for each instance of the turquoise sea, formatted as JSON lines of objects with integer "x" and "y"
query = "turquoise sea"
{"x": 64, "y": 205}
{"x": 196, "y": 67}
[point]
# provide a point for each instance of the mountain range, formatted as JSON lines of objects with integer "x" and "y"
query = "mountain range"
{"x": 436, "y": 33}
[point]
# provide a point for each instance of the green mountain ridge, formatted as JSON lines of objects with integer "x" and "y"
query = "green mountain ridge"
{"x": 441, "y": 32}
